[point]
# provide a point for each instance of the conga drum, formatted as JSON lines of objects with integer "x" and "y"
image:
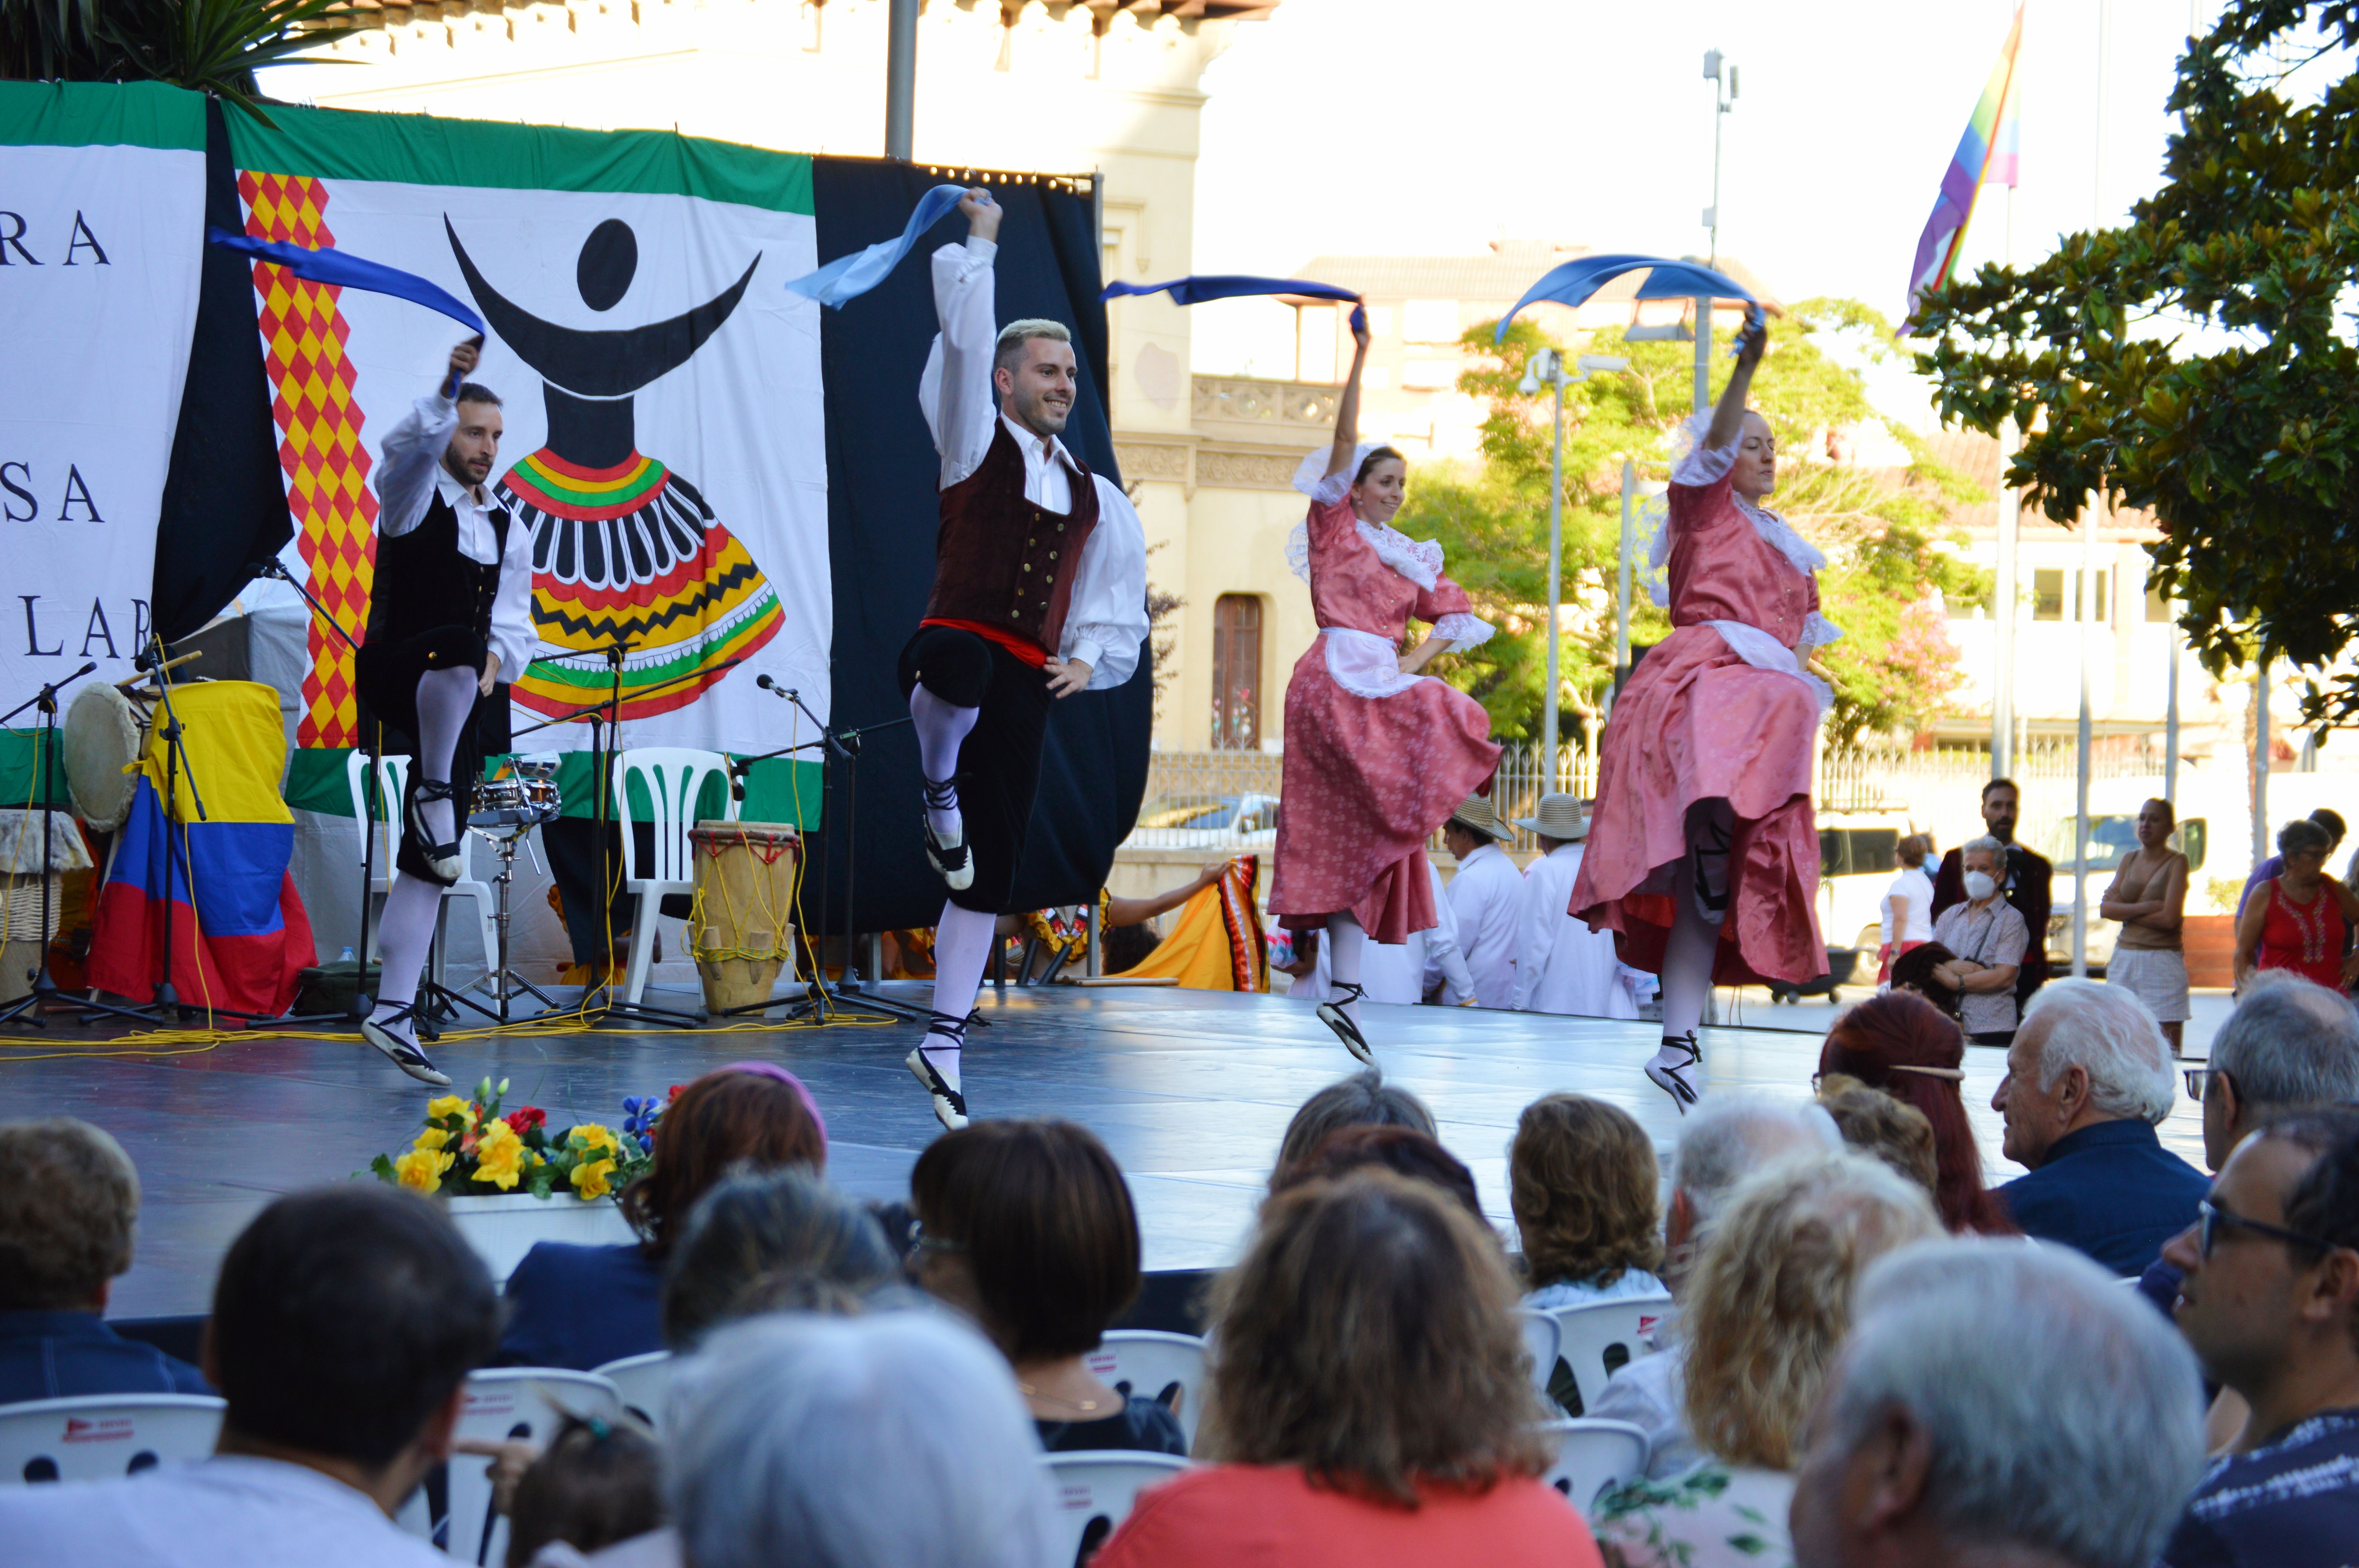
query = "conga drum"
{"x": 741, "y": 924}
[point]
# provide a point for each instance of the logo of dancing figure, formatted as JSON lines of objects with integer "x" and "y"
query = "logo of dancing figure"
{"x": 622, "y": 547}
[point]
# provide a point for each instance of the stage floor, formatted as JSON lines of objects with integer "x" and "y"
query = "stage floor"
{"x": 1190, "y": 1090}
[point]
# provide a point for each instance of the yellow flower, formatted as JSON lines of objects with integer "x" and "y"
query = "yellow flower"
{"x": 499, "y": 1155}
{"x": 433, "y": 1138}
{"x": 590, "y": 1179}
{"x": 421, "y": 1169}
{"x": 450, "y": 1105}
{"x": 590, "y": 1135}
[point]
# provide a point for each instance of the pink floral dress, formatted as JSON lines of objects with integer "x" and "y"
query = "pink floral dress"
{"x": 1719, "y": 711}
{"x": 1374, "y": 760}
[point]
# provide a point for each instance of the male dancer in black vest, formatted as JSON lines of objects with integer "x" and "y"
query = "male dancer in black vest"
{"x": 1039, "y": 592}
{"x": 450, "y": 608}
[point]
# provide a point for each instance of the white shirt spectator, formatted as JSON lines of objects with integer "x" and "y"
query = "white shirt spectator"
{"x": 1107, "y": 619}
{"x": 1485, "y": 895}
{"x": 1561, "y": 966}
{"x": 229, "y": 1509}
{"x": 1914, "y": 885}
{"x": 1402, "y": 974}
{"x": 1651, "y": 1393}
{"x": 410, "y": 475}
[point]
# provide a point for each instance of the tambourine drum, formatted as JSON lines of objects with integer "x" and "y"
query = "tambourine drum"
{"x": 741, "y": 927}
{"x": 104, "y": 732}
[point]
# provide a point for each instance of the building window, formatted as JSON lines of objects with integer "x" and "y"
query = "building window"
{"x": 1236, "y": 672}
{"x": 1429, "y": 321}
{"x": 2050, "y": 584}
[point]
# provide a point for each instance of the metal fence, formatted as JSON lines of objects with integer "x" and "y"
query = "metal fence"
{"x": 1211, "y": 800}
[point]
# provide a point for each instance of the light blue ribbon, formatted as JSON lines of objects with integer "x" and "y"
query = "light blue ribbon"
{"x": 1577, "y": 279}
{"x": 846, "y": 278}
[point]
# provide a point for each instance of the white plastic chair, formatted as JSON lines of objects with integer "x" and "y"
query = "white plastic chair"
{"x": 672, "y": 776}
{"x": 644, "y": 1383}
{"x": 1542, "y": 1339}
{"x": 1149, "y": 1363}
{"x": 104, "y": 1437}
{"x": 1095, "y": 1490}
{"x": 392, "y": 780}
{"x": 1598, "y": 1338}
{"x": 1592, "y": 1456}
{"x": 501, "y": 1402}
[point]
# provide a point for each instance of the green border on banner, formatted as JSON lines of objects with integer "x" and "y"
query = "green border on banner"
{"x": 115, "y": 114}
{"x": 16, "y": 785}
{"x": 424, "y": 149}
{"x": 777, "y": 789}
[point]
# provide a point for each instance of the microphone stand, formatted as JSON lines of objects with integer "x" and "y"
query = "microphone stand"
{"x": 846, "y": 994}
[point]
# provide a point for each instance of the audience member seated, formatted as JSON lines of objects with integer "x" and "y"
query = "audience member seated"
{"x": 2290, "y": 1046}
{"x": 1363, "y": 1099}
{"x": 894, "y": 1440}
{"x": 1767, "y": 1309}
{"x": 1028, "y": 1228}
{"x": 581, "y": 1306}
{"x": 597, "y": 1483}
{"x": 1401, "y": 1149}
{"x": 2088, "y": 1078}
{"x": 1368, "y": 1405}
{"x": 1905, "y": 1045}
{"x": 1997, "y": 1404}
{"x": 1920, "y": 971}
{"x": 751, "y": 1230}
{"x": 1723, "y": 1143}
{"x": 2270, "y": 1305}
{"x": 345, "y": 1321}
{"x": 1582, "y": 1181}
{"x": 1880, "y": 1127}
{"x": 69, "y": 1203}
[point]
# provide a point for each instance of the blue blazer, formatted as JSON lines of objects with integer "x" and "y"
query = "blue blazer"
{"x": 582, "y": 1307}
{"x": 2110, "y": 1190}
{"x": 63, "y": 1355}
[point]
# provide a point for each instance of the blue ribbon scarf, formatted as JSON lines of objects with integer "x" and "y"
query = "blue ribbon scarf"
{"x": 346, "y": 270}
{"x": 846, "y": 278}
{"x": 1197, "y": 291}
{"x": 1576, "y": 280}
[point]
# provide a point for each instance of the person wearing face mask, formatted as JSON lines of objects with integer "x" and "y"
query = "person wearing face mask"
{"x": 2024, "y": 879}
{"x": 1039, "y": 592}
{"x": 1378, "y": 753}
{"x": 1989, "y": 938}
{"x": 1703, "y": 853}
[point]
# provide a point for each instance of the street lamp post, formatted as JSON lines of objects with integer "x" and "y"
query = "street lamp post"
{"x": 1722, "y": 77}
{"x": 1546, "y": 368}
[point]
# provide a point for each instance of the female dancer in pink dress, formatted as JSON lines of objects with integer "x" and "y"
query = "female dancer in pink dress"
{"x": 1703, "y": 856}
{"x": 1377, "y": 755}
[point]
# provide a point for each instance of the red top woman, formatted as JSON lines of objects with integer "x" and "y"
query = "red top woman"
{"x": 1703, "y": 855}
{"x": 1378, "y": 755}
{"x": 2297, "y": 920}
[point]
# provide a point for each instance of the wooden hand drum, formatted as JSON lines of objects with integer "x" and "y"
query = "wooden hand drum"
{"x": 741, "y": 926}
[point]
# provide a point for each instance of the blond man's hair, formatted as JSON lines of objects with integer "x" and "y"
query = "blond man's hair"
{"x": 1009, "y": 351}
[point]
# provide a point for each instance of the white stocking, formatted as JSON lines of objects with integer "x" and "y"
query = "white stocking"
{"x": 1346, "y": 940}
{"x": 445, "y": 699}
{"x": 941, "y": 730}
{"x": 405, "y": 930}
{"x": 1687, "y": 964}
{"x": 962, "y": 940}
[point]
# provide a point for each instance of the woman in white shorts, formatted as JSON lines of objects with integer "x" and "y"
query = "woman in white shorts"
{"x": 2148, "y": 896}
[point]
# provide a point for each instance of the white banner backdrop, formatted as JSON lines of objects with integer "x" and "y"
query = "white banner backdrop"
{"x": 101, "y": 241}
{"x": 664, "y": 435}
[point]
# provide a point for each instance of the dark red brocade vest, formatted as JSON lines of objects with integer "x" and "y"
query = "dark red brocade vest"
{"x": 1003, "y": 561}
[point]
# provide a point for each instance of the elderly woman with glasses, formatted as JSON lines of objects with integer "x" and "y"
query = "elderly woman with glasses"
{"x": 2299, "y": 919}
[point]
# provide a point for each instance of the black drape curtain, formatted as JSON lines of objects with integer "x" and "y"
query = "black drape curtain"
{"x": 882, "y": 520}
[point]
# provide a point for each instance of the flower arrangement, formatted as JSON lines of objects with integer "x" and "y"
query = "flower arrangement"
{"x": 468, "y": 1148}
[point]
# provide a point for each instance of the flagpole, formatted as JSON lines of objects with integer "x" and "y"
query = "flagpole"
{"x": 2010, "y": 523}
{"x": 2088, "y": 595}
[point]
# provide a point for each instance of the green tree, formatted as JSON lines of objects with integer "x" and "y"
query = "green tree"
{"x": 211, "y": 45}
{"x": 2240, "y": 440}
{"x": 1894, "y": 667}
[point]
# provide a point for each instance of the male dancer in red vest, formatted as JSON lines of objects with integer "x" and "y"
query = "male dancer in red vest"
{"x": 1039, "y": 592}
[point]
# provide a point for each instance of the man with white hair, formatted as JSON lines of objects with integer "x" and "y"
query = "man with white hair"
{"x": 1039, "y": 592}
{"x": 2088, "y": 1079}
{"x": 1997, "y": 1405}
{"x": 1720, "y": 1145}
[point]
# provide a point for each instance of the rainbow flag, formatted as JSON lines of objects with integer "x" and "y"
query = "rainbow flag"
{"x": 240, "y": 937}
{"x": 1988, "y": 154}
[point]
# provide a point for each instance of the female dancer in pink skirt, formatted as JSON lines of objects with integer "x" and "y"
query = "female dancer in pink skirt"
{"x": 1377, "y": 755}
{"x": 1703, "y": 856}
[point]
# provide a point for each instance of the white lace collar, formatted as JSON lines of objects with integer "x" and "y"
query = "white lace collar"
{"x": 1807, "y": 557}
{"x": 1419, "y": 563}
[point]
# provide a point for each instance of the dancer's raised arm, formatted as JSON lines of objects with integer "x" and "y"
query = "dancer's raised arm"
{"x": 1347, "y": 412}
{"x": 1728, "y": 415}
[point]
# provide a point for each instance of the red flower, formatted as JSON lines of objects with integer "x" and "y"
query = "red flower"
{"x": 526, "y": 1119}
{"x": 673, "y": 1093}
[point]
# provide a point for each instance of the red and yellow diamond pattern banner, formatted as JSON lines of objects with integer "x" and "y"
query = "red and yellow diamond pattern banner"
{"x": 303, "y": 337}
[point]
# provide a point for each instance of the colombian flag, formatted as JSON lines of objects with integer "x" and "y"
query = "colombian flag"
{"x": 240, "y": 937}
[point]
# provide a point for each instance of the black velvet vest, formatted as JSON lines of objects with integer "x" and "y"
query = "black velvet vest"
{"x": 1001, "y": 560}
{"x": 423, "y": 583}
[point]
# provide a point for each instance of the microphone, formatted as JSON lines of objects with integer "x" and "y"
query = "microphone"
{"x": 764, "y": 681}
{"x": 263, "y": 569}
{"x": 773, "y": 687}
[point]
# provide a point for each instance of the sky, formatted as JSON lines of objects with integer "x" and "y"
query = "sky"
{"x": 1436, "y": 126}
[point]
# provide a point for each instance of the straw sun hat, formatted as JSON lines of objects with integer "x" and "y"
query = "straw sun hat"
{"x": 1556, "y": 817}
{"x": 1475, "y": 812}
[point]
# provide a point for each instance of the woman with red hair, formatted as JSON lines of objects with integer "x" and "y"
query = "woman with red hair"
{"x": 1903, "y": 1044}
